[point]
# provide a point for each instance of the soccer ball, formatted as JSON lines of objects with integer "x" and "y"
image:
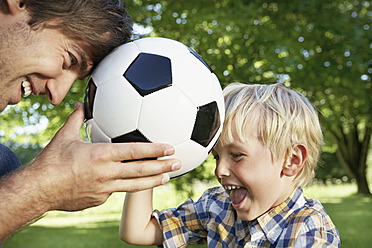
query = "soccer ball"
{"x": 156, "y": 90}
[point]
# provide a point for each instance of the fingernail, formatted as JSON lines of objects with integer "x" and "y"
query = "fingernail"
{"x": 169, "y": 151}
{"x": 77, "y": 105}
{"x": 165, "y": 179}
{"x": 176, "y": 165}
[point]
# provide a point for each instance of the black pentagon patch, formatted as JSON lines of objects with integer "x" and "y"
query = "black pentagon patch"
{"x": 135, "y": 136}
{"x": 90, "y": 93}
{"x": 206, "y": 124}
{"x": 149, "y": 73}
{"x": 199, "y": 58}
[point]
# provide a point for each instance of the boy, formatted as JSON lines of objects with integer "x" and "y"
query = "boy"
{"x": 267, "y": 152}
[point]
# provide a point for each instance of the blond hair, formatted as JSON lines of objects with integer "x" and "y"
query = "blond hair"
{"x": 283, "y": 117}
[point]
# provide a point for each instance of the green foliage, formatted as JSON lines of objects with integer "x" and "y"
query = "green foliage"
{"x": 320, "y": 48}
{"x": 203, "y": 173}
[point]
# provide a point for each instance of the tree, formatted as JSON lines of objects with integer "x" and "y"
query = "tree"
{"x": 321, "y": 48}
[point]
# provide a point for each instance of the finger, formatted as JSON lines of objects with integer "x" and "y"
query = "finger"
{"x": 137, "y": 184}
{"x": 75, "y": 119}
{"x": 143, "y": 168}
{"x": 134, "y": 151}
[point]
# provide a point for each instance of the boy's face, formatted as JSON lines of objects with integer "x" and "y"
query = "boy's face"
{"x": 249, "y": 175}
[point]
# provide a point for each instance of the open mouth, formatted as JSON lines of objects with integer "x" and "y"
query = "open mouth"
{"x": 236, "y": 193}
{"x": 26, "y": 87}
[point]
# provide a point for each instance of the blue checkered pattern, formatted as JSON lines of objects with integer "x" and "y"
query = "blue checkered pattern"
{"x": 297, "y": 222}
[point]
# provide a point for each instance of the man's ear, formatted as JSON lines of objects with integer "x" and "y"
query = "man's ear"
{"x": 296, "y": 160}
{"x": 15, "y": 6}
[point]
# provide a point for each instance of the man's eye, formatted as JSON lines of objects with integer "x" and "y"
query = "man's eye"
{"x": 73, "y": 59}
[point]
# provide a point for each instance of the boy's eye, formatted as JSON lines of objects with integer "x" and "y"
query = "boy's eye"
{"x": 237, "y": 155}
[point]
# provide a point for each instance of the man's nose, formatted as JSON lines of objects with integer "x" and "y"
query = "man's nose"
{"x": 58, "y": 88}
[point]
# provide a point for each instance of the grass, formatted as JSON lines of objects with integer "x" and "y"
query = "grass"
{"x": 93, "y": 228}
{"x": 351, "y": 213}
{"x": 98, "y": 227}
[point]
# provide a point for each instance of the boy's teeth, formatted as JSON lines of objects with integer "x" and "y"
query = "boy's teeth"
{"x": 26, "y": 88}
{"x": 232, "y": 187}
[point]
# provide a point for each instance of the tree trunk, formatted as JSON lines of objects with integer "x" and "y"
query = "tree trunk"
{"x": 352, "y": 155}
{"x": 362, "y": 183}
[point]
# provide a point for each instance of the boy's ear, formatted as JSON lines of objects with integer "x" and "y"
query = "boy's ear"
{"x": 15, "y": 6}
{"x": 295, "y": 161}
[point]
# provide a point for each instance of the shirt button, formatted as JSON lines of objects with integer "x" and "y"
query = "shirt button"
{"x": 272, "y": 234}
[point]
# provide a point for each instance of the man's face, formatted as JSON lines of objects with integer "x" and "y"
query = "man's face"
{"x": 46, "y": 58}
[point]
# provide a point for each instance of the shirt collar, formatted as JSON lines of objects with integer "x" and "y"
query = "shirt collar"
{"x": 276, "y": 219}
{"x": 242, "y": 228}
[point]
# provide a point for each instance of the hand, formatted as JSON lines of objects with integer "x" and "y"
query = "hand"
{"x": 75, "y": 175}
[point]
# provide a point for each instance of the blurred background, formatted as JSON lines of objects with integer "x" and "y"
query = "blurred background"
{"x": 321, "y": 48}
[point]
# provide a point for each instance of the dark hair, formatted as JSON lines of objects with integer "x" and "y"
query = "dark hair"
{"x": 101, "y": 24}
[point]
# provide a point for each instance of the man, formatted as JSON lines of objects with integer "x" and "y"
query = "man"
{"x": 44, "y": 46}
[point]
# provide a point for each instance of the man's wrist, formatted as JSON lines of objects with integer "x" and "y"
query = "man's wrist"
{"x": 21, "y": 201}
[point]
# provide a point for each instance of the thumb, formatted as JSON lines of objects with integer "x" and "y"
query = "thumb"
{"x": 75, "y": 119}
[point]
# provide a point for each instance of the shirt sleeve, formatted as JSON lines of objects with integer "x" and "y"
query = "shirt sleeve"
{"x": 317, "y": 238}
{"x": 185, "y": 224}
{"x": 318, "y": 231}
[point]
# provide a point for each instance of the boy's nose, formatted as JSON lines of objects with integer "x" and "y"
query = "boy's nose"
{"x": 222, "y": 169}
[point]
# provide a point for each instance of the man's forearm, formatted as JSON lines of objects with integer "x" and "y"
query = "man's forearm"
{"x": 20, "y": 201}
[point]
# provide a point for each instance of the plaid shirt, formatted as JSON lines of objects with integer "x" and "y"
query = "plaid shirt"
{"x": 297, "y": 222}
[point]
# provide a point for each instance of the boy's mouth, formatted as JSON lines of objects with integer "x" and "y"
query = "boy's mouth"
{"x": 236, "y": 193}
{"x": 26, "y": 87}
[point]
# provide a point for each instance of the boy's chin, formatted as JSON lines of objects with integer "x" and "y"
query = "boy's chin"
{"x": 248, "y": 215}
{"x": 245, "y": 216}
